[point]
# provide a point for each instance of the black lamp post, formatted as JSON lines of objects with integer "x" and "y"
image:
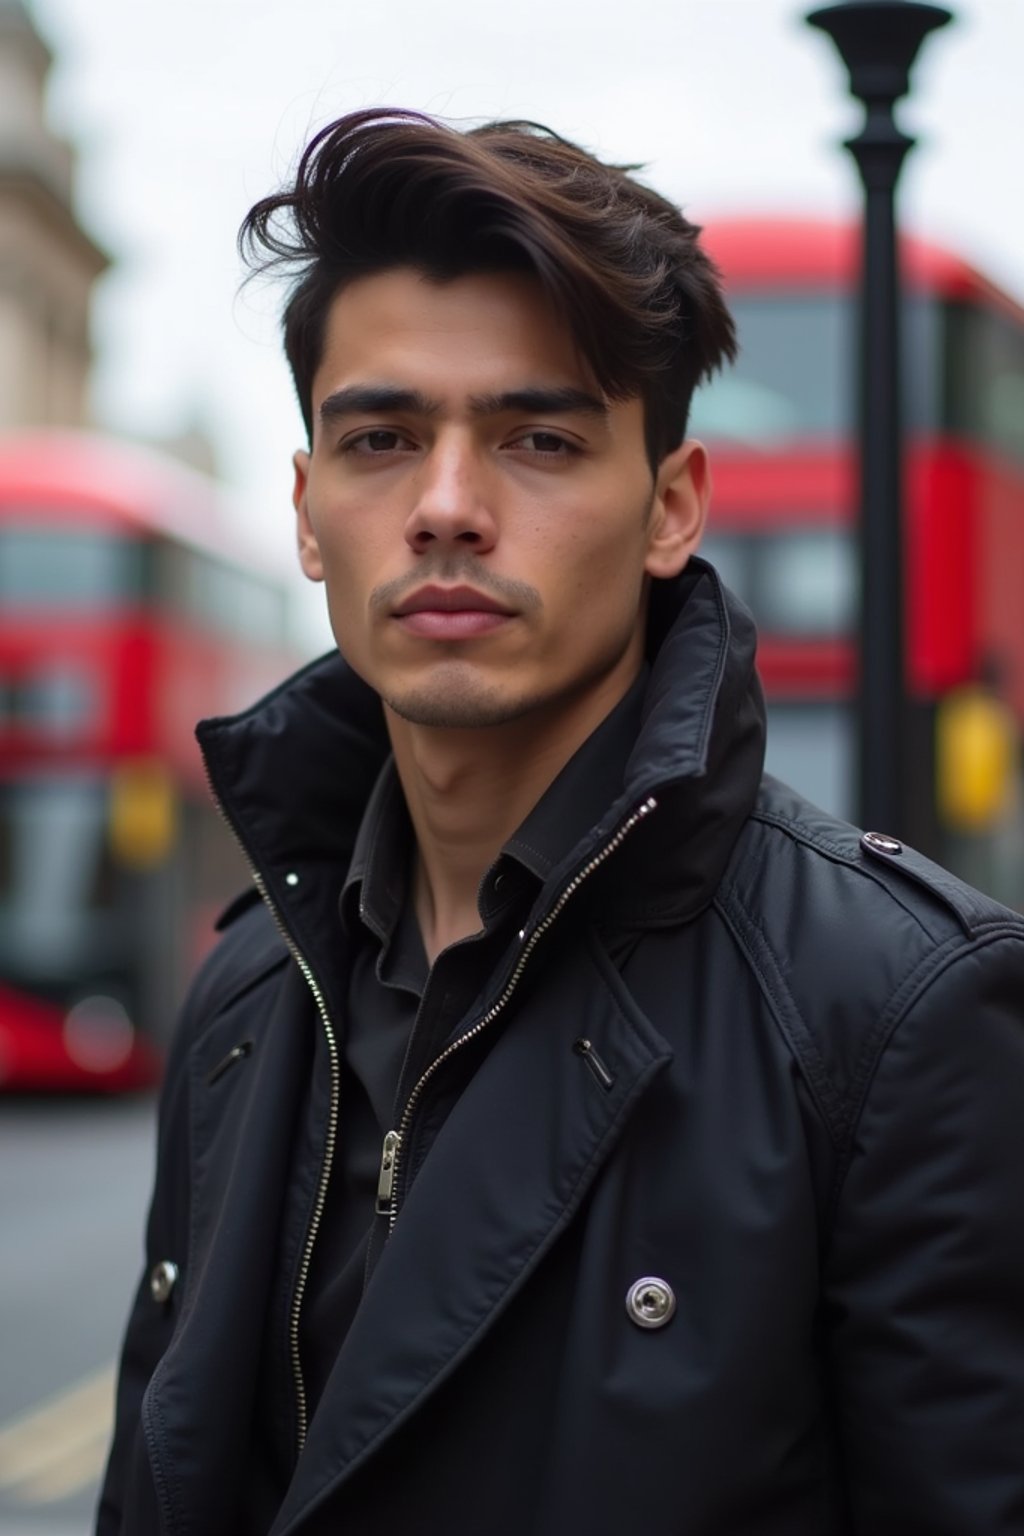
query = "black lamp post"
{"x": 878, "y": 41}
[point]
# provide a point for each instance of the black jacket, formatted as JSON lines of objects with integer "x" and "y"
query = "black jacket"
{"x": 801, "y": 1111}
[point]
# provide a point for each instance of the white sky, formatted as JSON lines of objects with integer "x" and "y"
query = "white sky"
{"x": 185, "y": 113}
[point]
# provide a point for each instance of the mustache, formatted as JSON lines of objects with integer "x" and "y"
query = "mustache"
{"x": 455, "y": 570}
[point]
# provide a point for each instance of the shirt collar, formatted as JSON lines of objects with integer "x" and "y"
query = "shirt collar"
{"x": 579, "y": 796}
{"x": 375, "y": 888}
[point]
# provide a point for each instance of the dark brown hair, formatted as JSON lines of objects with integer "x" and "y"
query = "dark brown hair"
{"x": 384, "y": 188}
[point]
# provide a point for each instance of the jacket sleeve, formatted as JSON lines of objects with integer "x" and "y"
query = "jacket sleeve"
{"x": 924, "y": 1283}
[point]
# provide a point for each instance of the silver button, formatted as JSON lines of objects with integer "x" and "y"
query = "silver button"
{"x": 650, "y": 1302}
{"x": 880, "y": 842}
{"x": 162, "y": 1280}
{"x": 291, "y": 878}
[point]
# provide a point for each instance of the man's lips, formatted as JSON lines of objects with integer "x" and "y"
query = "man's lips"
{"x": 451, "y": 613}
{"x": 450, "y": 600}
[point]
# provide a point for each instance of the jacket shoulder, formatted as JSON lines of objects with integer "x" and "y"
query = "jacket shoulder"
{"x": 842, "y": 853}
{"x": 846, "y": 933}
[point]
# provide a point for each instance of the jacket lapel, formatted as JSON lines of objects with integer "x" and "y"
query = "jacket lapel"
{"x": 504, "y": 1176}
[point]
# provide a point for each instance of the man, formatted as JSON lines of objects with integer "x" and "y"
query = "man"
{"x": 574, "y": 1132}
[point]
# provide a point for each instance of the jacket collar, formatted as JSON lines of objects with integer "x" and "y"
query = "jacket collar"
{"x": 294, "y": 772}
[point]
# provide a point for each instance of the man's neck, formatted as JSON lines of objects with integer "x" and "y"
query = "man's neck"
{"x": 467, "y": 792}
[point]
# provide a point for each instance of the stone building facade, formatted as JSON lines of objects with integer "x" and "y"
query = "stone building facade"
{"x": 48, "y": 264}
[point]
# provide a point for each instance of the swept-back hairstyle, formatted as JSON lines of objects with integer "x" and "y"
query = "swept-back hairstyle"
{"x": 385, "y": 188}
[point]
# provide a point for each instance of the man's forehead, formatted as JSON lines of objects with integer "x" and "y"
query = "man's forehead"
{"x": 401, "y": 313}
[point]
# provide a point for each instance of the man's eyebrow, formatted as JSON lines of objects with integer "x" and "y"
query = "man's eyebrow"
{"x": 533, "y": 400}
{"x": 376, "y": 399}
{"x": 540, "y": 401}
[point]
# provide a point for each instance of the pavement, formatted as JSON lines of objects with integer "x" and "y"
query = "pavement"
{"x": 74, "y": 1179}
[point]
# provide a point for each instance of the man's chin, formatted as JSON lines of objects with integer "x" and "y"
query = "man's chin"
{"x": 456, "y": 708}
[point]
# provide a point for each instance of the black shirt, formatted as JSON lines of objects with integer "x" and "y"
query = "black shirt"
{"x": 401, "y": 1011}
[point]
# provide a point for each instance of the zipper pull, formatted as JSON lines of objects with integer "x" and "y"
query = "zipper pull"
{"x": 585, "y": 1049}
{"x": 386, "y": 1182}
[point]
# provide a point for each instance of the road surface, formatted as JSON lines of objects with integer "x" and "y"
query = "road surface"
{"x": 74, "y": 1180}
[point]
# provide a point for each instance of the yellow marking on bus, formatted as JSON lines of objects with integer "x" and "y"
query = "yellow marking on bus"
{"x": 59, "y": 1446}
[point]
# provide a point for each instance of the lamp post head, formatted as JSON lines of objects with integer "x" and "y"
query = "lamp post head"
{"x": 878, "y": 41}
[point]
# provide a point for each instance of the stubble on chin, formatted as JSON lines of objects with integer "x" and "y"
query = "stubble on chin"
{"x": 456, "y": 705}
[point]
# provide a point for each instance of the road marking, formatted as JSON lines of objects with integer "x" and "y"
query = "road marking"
{"x": 78, "y": 1468}
{"x": 59, "y": 1446}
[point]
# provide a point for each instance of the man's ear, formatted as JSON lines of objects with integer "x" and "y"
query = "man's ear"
{"x": 682, "y": 490}
{"x": 309, "y": 549}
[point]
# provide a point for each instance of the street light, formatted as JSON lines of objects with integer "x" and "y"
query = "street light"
{"x": 878, "y": 41}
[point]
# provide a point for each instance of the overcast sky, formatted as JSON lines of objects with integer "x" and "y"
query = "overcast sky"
{"x": 184, "y": 114}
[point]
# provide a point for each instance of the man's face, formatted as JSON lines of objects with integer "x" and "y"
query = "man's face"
{"x": 483, "y": 518}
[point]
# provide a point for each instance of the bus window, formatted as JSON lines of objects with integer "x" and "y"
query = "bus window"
{"x": 811, "y": 746}
{"x": 63, "y": 567}
{"x": 55, "y": 874}
{"x": 805, "y": 583}
{"x": 234, "y": 602}
{"x": 792, "y": 380}
{"x": 220, "y": 599}
{"x": 57, "y": 702}
{"x": 985, "y": 378}
{"x": 799, "y": 584}
{"x": 730, "y": 553}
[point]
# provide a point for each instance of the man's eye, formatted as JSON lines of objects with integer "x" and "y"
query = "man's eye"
{"x": 546, "y": 444}
{"x": 377, "y": 441}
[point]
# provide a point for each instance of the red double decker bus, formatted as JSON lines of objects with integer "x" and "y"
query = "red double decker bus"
{"x": 780, "y": 426}
{"x": 125, "y": 614}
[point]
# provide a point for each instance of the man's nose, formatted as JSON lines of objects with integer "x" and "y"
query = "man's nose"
{"x": 452, "y": 504}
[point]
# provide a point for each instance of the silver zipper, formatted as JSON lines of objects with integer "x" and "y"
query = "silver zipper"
{"x": 386, "y": 1182}
{"x": 391, "y": 1155}
{"x": 302, "y": 1408}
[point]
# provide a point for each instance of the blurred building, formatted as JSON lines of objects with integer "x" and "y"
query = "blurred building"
{"x": 48, "y": 263}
